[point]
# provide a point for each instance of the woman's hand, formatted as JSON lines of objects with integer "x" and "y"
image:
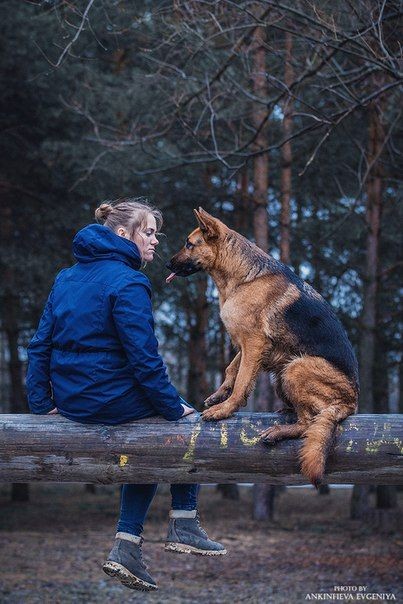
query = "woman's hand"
{"x": 187, "y": 410}
{"x": 53, "y": 412}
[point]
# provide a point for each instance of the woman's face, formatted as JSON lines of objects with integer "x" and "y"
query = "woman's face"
{"x": 145, "y": 238}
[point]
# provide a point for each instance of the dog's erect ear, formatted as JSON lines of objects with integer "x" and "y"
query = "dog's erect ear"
{"x": 209, "y": 225}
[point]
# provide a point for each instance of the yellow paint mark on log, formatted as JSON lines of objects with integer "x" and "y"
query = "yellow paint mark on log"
{"x": 123, "y": 459}
{"x": 249, "y": 441}
{"x": 373, "y": 446}
{"x": 224, "y": 436}
{"x": 190, "y": 453}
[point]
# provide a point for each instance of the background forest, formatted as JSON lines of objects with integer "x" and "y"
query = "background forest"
{"x": 282, "y": 119}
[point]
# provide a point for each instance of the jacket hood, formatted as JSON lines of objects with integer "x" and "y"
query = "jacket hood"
{"x": 97, "y": 242}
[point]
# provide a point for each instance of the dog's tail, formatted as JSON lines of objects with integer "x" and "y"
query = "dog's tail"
{"x": 319, "y": 438}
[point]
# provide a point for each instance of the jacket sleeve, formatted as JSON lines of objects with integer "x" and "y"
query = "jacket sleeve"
{"x": 133, "y": 318}
{"x": 38, "y": 373}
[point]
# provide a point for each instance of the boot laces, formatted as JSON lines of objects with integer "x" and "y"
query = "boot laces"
{"x": 199, "y": 526}
{"x": 140, "y": 554}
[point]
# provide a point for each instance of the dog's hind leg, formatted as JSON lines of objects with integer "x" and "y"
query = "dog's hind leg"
{"x": 226, "y": 387}
{"x": 286, "y": 404}
{"x": 249, "y": 367}
{"x": 322, "y": 396}
{"x": 276, "y": 433}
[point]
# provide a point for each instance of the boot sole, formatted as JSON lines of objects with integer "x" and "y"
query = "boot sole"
{"x": 181, "y": 548}
{"x": 114, "y": 569}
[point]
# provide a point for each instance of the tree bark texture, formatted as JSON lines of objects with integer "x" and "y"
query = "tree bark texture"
{"x": 373, "y": 223}
{"x": 386, "y": 496}
{"x": 286, "y": 157}
{"x": 376, "y": 135}
{"x": 242, "y": 209}
{"x": 261, "y": 161}
{"x": 261, "y": 494}
{"x": 197, "y": 387}
{"x": 359, "y": 504}
{"x": 11, "y": 310}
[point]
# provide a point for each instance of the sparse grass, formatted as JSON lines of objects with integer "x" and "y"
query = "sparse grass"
{"x": 53, "y": 548}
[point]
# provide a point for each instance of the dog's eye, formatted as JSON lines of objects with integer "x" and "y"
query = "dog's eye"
{"x": 188, "y": 245}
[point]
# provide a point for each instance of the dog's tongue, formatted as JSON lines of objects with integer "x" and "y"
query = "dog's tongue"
{"x": 170, "y": 277}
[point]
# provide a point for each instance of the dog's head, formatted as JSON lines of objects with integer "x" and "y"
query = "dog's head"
{"x": 201, "y": 248}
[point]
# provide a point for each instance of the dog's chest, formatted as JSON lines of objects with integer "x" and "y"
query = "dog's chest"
{"x": 229, "y": 315}
{"x": 235, "y": 317}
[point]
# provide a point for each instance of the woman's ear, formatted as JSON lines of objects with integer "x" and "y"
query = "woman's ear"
{"x": 122, "y": 232}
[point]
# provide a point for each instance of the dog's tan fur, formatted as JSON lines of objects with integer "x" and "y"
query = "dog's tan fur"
{"x": 253, "y": 301}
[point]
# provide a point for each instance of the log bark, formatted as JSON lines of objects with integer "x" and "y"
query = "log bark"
{"x": 368, "y": 450}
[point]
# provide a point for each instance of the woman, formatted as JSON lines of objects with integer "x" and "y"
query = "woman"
{"x": 94, "y": 359}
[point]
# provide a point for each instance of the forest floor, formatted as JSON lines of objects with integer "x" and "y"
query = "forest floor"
{"x": 52, "y": 549}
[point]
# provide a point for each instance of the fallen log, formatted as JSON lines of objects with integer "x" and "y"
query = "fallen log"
{"x": 368, "y": 450}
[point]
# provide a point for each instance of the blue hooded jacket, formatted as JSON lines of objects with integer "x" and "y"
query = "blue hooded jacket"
{"x": 95, "y": 356}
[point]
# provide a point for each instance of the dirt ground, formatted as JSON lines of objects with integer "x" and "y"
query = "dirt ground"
{"x": 52, "y": 549}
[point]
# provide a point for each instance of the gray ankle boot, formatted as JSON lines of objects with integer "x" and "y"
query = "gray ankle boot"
{"x": 186, "y": 536}
{"x": 125, "y": 562}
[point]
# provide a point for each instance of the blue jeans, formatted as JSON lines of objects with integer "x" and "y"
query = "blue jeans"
{"x": 135, "y": 500}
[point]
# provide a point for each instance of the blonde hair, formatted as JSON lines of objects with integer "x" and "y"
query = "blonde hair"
{"x": 128, "y": 212}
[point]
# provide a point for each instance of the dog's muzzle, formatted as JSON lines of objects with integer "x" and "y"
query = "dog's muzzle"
{"x": 181, "y": 270}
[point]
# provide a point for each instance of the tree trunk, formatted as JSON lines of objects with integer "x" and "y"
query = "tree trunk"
{"x": 229, "y": 491}
{"x": 263, "y": 496}
{"x": 386, "y": 495}
{"x": 324, "y": 489}
{"x": 18, "y": 404}
{"x": 261, "y": 161}
{"x": 373, "y": 222}
{"x": 4, "y": 373}
{"x": 10, "y": 304}
{"x": 359, "y": 502}
{"x": 242, "y": 209}
{"x": 197, "y": 386}
{"x": 263, "y": 501}
{"x": 286, "y": 156}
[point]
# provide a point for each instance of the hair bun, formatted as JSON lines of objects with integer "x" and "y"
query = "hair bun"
{"x": 102, "y": 213}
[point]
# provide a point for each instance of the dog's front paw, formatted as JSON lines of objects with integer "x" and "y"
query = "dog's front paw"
{"x": 218, "y": 397}
{"x": 221, "y": 411}
{"x": 270, "y": 436}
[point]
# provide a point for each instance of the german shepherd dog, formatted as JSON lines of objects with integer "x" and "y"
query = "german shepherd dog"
{"x": 277, "y": 323}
